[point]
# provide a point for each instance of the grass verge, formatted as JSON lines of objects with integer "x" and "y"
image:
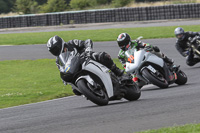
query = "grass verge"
{"x": 189, "y": 128}
{"x": 95, "y": 35}
{"x": 27, "y": 81}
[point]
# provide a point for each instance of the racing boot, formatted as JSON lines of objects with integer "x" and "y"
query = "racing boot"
{"x": 117, "y": 71}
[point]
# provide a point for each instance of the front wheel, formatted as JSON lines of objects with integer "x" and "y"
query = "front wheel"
{"x": 181, "y": 78}
{"x": 156, "y": 79}
{"x": 96, "y": 95}
{"x": 133, "y": 92}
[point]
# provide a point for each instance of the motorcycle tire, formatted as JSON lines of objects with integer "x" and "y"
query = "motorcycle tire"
{"x": 154, "y": 79}
{"x": 99, "y": 97}
{"x": 133, "y": 92}
{"x": 181, "y": 78}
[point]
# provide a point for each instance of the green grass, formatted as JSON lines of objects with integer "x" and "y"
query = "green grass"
{"x": 29, "y": 81}
{"x": 189, "y": 128}
{"x": 95, "y": 35}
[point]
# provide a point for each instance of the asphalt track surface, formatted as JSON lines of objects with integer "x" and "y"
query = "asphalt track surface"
{"x": 176, "y": 105}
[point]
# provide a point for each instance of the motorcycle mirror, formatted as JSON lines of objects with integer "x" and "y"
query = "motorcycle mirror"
{"x": 140, "y": 37}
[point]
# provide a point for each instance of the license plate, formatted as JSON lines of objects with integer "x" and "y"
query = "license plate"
{"x": 151, "y": 69}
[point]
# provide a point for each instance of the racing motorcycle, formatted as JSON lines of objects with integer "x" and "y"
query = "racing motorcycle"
{"x": 194, "y": 43}
{"x": 95, "y": 81}
{"x": 151, "y": 69}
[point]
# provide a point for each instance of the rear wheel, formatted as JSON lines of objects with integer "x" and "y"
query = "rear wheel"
{"x": 181, "y": 78}
{"x": 96, "y": 95}
{"x": 155, "y": 78}
{"x": 133, "y": 92}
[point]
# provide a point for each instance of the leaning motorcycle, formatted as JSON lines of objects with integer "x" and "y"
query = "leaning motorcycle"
{"x": 151, "y": 69}
{"x": 95, "y": 81}
{"x": 194, "y": 44}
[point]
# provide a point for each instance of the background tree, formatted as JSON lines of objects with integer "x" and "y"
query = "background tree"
{"x": 26, "y": 6}
{"x": 6, "y": 5}
{"x": 81, "y": 4}
{"x": 101, "y": 2}
{"x": 120, "y": 3}
{"x": 3, "y": 6}
{"x": 148, "y": 0}
{"x": 54, "y": 6}
{"x": 41, "y": 2}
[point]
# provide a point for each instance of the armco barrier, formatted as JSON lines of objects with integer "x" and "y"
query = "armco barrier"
{"x": 180, "y": 11}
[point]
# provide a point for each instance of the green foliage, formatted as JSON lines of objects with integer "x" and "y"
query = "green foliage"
{"x": 54, "y": 6}
{"x": 3, "y": 6}
{"x": 26, "y": 6}
{"x": 120, "y": 3}
{"x": 101, "y": 2}
{"x": 6, "y": 5}
{"x": 81, "y": 4}
{"x": 40, "y": 2}
{"x": 148, "y": 0}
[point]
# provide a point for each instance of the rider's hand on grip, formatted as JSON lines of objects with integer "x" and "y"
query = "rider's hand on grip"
{"x": 88, "y": 51}
{"x": 124, "y": 66}
{"x": 148, "y": 48}
{"x": 186, "y": 53}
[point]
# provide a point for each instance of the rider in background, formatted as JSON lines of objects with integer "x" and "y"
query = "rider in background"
{"x": 125, "y": 43}
{"x": 57, "y": 45}
{"x": 183, "y": 47}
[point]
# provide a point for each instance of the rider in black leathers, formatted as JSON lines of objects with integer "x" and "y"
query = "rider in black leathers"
{"x": 57, "y": 45}
{"x": 183, "y": 47}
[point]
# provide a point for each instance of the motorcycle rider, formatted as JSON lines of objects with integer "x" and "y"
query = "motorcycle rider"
{"x": 183, "y": 47}
{"x": 56, "y": 45}
{"x": 125, "y": 43}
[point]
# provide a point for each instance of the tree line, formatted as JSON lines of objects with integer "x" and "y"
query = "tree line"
{"x": 44, "y": 6}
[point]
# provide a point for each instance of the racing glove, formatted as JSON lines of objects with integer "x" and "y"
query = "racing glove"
{"x": 186, "y": 53}
{"x": 148, "y": 48}
{"x": 88, "y": 51}
{"x": 124, "y": 66}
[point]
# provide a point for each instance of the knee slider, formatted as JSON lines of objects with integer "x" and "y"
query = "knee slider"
{"x": 190, "y": 63}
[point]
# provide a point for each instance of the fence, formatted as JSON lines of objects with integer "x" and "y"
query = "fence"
{"x": 182, "y": 11}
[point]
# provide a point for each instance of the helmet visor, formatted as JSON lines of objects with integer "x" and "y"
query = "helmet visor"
{"x": 179, "y": 36}
{"x": 124, "y": 47}
{"x": 55, "y": 51}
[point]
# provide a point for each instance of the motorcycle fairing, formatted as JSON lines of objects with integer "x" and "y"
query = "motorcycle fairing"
{"x": 140, "y": 57}
{"x": 102, "y": 72}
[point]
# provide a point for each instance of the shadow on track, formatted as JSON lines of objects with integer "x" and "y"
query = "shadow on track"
{"x": 155, "y": 88}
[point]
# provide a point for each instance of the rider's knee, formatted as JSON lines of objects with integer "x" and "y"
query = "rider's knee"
{"x": 190, "y": 63}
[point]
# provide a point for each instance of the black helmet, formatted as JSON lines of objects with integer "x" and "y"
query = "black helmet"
{"x": 179, "y": 32}
{"x": 123, "y": 40}
{"x": 55, "y": 45}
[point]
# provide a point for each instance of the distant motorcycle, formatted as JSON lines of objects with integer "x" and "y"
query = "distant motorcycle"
{"x": 194, "y": 43}
{"x": 151, "y": 69}
{"x": 95, "y": 81}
